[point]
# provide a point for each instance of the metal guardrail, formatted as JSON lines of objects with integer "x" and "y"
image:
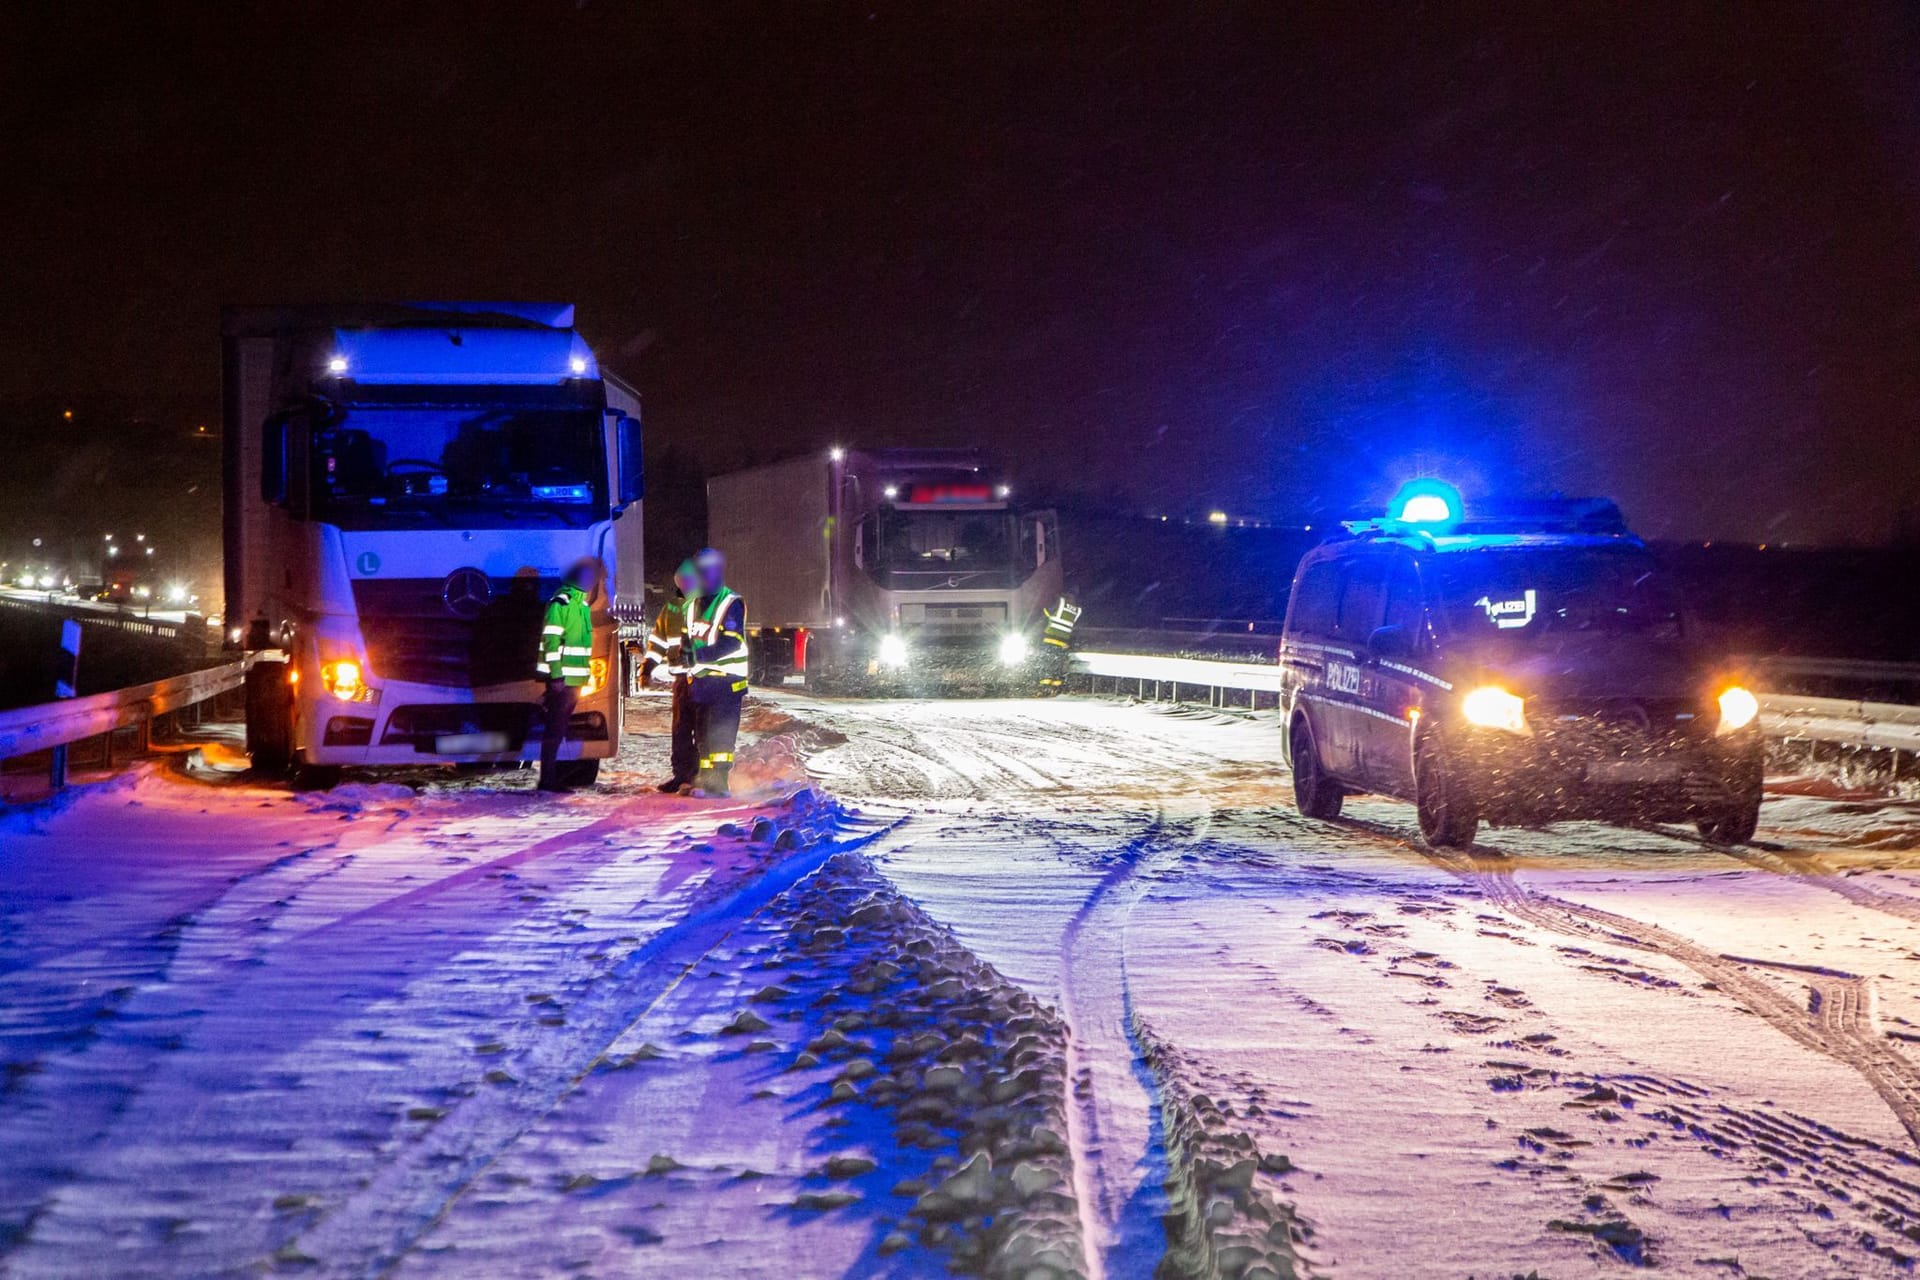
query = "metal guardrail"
{"x": 115, "y": 620}
{"x": 1199, "y": 672}
{"x": 1841, "y": 669}
{"x": 1860, "y": 724}
{"x": 26, "y": 730}
{"x": 1786, "y": 716}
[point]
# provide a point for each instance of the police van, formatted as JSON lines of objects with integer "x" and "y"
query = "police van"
{"x": 1515, "y": 666}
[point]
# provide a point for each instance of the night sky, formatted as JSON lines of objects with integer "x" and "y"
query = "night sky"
{"x": 1267, "y": 258}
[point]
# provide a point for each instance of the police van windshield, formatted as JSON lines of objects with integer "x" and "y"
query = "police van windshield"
{"x": 1522, "y": 596}
{"x": 384, "y": 465}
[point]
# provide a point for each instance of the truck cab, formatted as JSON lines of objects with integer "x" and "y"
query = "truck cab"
{"x": 405, "y": 488}
{"x": 1516, "y": 665}
{"x": 910, "y": 571}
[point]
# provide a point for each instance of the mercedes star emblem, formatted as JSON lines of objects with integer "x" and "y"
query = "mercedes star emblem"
{"x": 467, "y": 593}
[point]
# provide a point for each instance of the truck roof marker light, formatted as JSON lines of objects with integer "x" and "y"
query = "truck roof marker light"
{"x": 1426, "y": 501}
{"x": 337, "y": 365}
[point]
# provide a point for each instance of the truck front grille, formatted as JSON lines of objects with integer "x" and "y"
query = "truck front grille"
{"x": 412, "y": 635}
{"x": 953, "y": 622}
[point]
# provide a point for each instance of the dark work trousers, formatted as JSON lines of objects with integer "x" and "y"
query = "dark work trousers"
{"x": 686, "y": 757}
{"x": 560, "y": 701}
{"x": 716, "y": 727}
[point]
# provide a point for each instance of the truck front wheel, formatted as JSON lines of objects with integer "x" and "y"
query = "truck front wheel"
{"x": 269, "y": 717}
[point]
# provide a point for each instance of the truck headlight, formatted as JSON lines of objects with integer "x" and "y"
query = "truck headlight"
{"x": 893, "y": 650}
{"x": 342, "y": 680}
{"x": 1492, "y": 707}
{"x": 1737, "y": 708}
{"x": 596, "y": 677}
{"x": 1013, "y": 649}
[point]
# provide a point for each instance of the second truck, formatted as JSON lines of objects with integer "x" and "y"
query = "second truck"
{"x": 894, "y": 571}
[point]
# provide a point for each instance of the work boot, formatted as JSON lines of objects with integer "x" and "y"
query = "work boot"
{"x": 670, "y": 786}
{"x": 712, "y": 783}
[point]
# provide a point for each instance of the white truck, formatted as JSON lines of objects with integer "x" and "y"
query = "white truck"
{"x": 404, "y": 487}
{"x": 893, "y": 571}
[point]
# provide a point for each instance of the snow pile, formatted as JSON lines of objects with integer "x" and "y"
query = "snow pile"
{"x": 958, "y": 1062}
{"x": 1223, "y": 1221}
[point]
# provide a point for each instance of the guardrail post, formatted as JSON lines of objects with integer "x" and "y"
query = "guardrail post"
{"x": 66, "y": 679}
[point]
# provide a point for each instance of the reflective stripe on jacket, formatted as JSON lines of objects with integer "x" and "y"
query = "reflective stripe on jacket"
{"x": 566, "y": 637}
{"x": 665, "y": 638}
{"x": 717, "y": 635}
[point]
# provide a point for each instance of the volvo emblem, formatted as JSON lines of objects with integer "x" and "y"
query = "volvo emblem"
{"x": 467, "y": 593}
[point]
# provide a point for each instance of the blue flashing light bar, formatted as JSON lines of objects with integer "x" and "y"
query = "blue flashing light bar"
{"x": 1426, "y": 501}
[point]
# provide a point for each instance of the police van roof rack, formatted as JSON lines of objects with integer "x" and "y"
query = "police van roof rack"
{"x": 1521, "y": 516}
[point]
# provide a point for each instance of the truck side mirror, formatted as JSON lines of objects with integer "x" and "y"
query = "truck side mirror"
{"x": 631, "y": 472}
{"x": 273, "y": 459}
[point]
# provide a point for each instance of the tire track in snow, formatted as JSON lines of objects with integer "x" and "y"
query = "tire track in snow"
{"x": 1837, "y": 1022}
{"x": 1114, "y": 1112}
{"x": 369, "y": 1234}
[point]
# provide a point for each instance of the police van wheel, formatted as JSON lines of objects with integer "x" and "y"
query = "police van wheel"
{"x": 1448, "y": 817}
{"x": 1736, "y": 815}
{"x": 1317, "y": 795}
{"x": 1732, "y": 825}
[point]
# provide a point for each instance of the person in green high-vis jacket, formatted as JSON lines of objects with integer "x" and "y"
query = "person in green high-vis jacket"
{"x": 566, "y": 653}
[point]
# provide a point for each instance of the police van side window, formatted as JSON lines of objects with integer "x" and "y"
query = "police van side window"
{"x": 1403, "y": 602}
{"x": 1362, "y": 599}
{"x": 1316, "y": 598}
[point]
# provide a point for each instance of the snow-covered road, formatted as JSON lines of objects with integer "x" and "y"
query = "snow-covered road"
{"x": 1020, "y": 988}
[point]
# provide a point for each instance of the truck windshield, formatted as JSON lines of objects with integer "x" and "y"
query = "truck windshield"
{"x": 1530, "y": 596}
{"x": 382, "y": 465}
{"x": 941, "y": 548}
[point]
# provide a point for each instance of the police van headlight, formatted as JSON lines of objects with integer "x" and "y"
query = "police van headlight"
{"x": 1492, "y": 707}
{"x": 1013, "y": 649}
{"x": 893, "y": 650}
{"x": 1737, "y": 709}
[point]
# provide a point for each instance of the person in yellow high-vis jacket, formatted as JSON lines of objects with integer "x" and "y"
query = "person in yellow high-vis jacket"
{"x": 666, "y": 663}
{"x": 566, "y": 653}
{"x": 717, "y": 652}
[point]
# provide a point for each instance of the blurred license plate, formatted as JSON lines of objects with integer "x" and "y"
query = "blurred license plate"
{"x": 470, "y": 744}
{"x": 1633, "y": 771}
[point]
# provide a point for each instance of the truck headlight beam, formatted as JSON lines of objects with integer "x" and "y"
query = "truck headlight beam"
{"x": 1013, "y": 649}
{"x": 893, "y": 650}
